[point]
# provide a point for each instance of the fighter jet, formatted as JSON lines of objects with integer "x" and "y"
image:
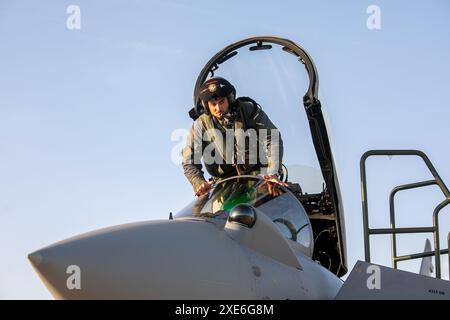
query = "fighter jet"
{"x": 236, "y": 242}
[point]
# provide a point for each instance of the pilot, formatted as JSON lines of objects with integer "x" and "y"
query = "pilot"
{"x": 233, "y": 136}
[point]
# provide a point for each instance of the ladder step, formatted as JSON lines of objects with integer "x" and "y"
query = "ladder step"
{"x": 401, "y": 230}
{"x": 419, "y": 255}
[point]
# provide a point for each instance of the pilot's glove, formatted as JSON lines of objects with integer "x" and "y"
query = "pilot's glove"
{"x": 204, "y": 188}
{"x": 273, "y": 183}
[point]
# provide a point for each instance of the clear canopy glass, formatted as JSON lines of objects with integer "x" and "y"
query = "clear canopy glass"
{"x": 277, "y": 81}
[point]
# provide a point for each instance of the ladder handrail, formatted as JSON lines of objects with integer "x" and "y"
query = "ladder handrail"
{"x": 393, "y": 230}
{"x": 392, "y": 212}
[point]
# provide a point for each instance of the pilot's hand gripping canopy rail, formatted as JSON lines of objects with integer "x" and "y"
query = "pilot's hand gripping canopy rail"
{"x": 324, "y": 211}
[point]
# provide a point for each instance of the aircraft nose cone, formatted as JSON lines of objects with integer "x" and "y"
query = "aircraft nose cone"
{"x": 147, "y": 260}
{"x": 35, "y": 258}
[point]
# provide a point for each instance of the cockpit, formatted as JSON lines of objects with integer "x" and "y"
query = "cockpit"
{"x": 284, "y": 210}
{"x": 267, "y": 69}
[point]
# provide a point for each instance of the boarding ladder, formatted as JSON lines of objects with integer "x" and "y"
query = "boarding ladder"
{"x": 393, "y": 231}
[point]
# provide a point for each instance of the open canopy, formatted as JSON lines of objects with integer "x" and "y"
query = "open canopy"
{"x": 270, "y": 72}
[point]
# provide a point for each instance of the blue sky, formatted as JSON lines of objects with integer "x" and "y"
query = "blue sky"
{"x": 86, "y": 116}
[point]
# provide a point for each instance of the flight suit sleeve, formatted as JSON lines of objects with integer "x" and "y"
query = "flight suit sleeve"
{"x": 191, "y": 156}
{"x": 271, "y": 142}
